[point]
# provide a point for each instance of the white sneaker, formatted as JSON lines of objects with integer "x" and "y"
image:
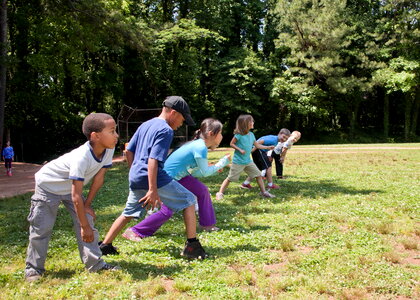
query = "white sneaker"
{"x": 267, "y": 194}
{"x": 219, "y": 196}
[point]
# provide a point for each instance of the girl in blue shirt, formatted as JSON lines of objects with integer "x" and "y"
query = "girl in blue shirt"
{"x": 184, "y": 165}
{"x": 242, "y": 142}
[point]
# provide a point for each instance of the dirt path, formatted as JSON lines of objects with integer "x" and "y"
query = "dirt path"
{"x": 21, "y": 182}
{"x": 23, "y": 179}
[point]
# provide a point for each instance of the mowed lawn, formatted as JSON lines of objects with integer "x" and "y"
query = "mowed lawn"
{"x": 344, "y": 225}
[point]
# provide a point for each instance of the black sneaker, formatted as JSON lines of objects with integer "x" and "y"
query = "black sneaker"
{"x": 194, "y": 250}
{"x": 108, "y": 249}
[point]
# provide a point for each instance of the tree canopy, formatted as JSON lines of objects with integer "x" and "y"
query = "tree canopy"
{"x": 345, "y": 68}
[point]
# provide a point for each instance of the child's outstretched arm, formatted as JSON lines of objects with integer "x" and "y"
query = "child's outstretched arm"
{"x": 76, "y": 196}
{"x": 203, "y": 168}
{"x": 260, "y": 146}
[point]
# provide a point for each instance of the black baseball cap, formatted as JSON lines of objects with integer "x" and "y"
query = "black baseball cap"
{"x": 180, "y": 105}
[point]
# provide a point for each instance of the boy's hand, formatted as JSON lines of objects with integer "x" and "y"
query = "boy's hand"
{"x": 242, "y": 151}
{"x": 87, "y": 234}
{"x": 151, "y": 200}
{"x": 89, "y": 210}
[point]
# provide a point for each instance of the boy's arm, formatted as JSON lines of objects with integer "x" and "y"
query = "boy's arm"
{"x": 152, "y": 199}
{"x": 130, "y": 157}
{"x": 97, "y": 183}
{"x": 233, "y": 145}
{"x": 260, "y": 146}
{"x": 255, "y": 148}
{"x": 283, "y": 154}
{"x": 76, "y": 196}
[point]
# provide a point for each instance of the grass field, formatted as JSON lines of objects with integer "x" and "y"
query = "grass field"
{"x": 344, "y": 225}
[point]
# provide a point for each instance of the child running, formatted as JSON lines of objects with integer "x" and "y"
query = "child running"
{"x": 62, "y": 180}
{"x": 8, "y": 155}
{"x": 242, "y": 142}
{"x": 149, "y": 184}
{"x": 184, "y": 165}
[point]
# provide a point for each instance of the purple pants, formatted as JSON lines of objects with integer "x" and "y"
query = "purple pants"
{"x": 206, "y": 214}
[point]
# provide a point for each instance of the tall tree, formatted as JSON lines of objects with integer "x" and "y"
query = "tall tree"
{"x": 3, "y": 59}
{"x": 397, "y": 49}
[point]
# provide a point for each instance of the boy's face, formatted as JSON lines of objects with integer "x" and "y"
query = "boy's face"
{"x": 283, "y": 137}
{"x": 108, "y": 137}
{"x": 175, "y": 120}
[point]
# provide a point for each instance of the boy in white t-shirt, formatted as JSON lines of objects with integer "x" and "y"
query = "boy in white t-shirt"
{"x": 280, "y": 151}
{"x": 62, "y": 181}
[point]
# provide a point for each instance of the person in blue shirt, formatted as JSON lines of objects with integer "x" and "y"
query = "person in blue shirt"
{"x": 150, "y": 184}
{"x": 242, "y": 142}
{"x": 8, "y": 156}
{"x": 186, "y": 164}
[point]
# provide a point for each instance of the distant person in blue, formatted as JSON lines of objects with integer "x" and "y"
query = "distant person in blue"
{"x": 8, "y": 155}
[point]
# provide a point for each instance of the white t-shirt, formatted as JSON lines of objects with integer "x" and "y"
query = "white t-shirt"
{"x": 287, "y": 144}
{"x": 80, "y": 164}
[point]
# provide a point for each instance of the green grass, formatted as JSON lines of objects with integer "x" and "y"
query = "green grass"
{"x": 345, "y": 225}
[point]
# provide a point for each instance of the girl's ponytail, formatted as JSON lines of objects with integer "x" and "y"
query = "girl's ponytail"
{"x": 197, "y": 134}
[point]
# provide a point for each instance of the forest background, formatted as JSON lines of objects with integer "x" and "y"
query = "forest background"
{"x": 339, "y": 71}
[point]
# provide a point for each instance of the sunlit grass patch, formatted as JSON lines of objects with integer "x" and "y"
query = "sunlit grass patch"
{"x": 343, "y": 225}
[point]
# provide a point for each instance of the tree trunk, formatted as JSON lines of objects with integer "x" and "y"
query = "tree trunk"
{"x": 407, "y": 121}
{"x": 416, "y": 109}
{"x": 3, "y": 59}
{"x": 386, "y": 115}
{"x": 353, "y": 117}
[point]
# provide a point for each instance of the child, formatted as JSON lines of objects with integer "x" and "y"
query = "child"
{"x": 262, "y": 158}
{"x": 62, "y": 180}
{"x": 184, "y": 164}
{"x": 8, "y": 155}
{"x": 149, "y": 183}
{"x": 279, "y": 152}
{"x": 242, "y": 142}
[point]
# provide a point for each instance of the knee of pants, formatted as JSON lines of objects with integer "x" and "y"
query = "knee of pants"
{"x": 203, "y": 194}
{"x": 166, "y": 211}
{"x": 41, "y": 219}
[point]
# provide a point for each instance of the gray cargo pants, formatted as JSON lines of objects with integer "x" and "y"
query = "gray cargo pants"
{"x": 44, "y": 207}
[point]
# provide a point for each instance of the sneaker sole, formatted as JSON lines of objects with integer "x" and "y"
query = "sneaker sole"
{"x": 131, "y": 238}
{"x": 33, "y": 278}
{"x": 193, "y": 257}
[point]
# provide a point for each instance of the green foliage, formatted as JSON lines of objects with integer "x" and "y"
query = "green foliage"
{"x": 324, "y": 65}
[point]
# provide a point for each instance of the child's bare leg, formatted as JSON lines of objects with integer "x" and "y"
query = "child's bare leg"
{"x": 269, "y": 175}
{"x": 224, "y": 186}
{"x": 260, "y": 183}
{"x": 190, "y": 222}
{"x": 116, "y": 227}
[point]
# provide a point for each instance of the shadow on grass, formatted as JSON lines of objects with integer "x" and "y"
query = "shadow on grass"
{"x": 290, "y": 189}
{"x": 61, "y": 274}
